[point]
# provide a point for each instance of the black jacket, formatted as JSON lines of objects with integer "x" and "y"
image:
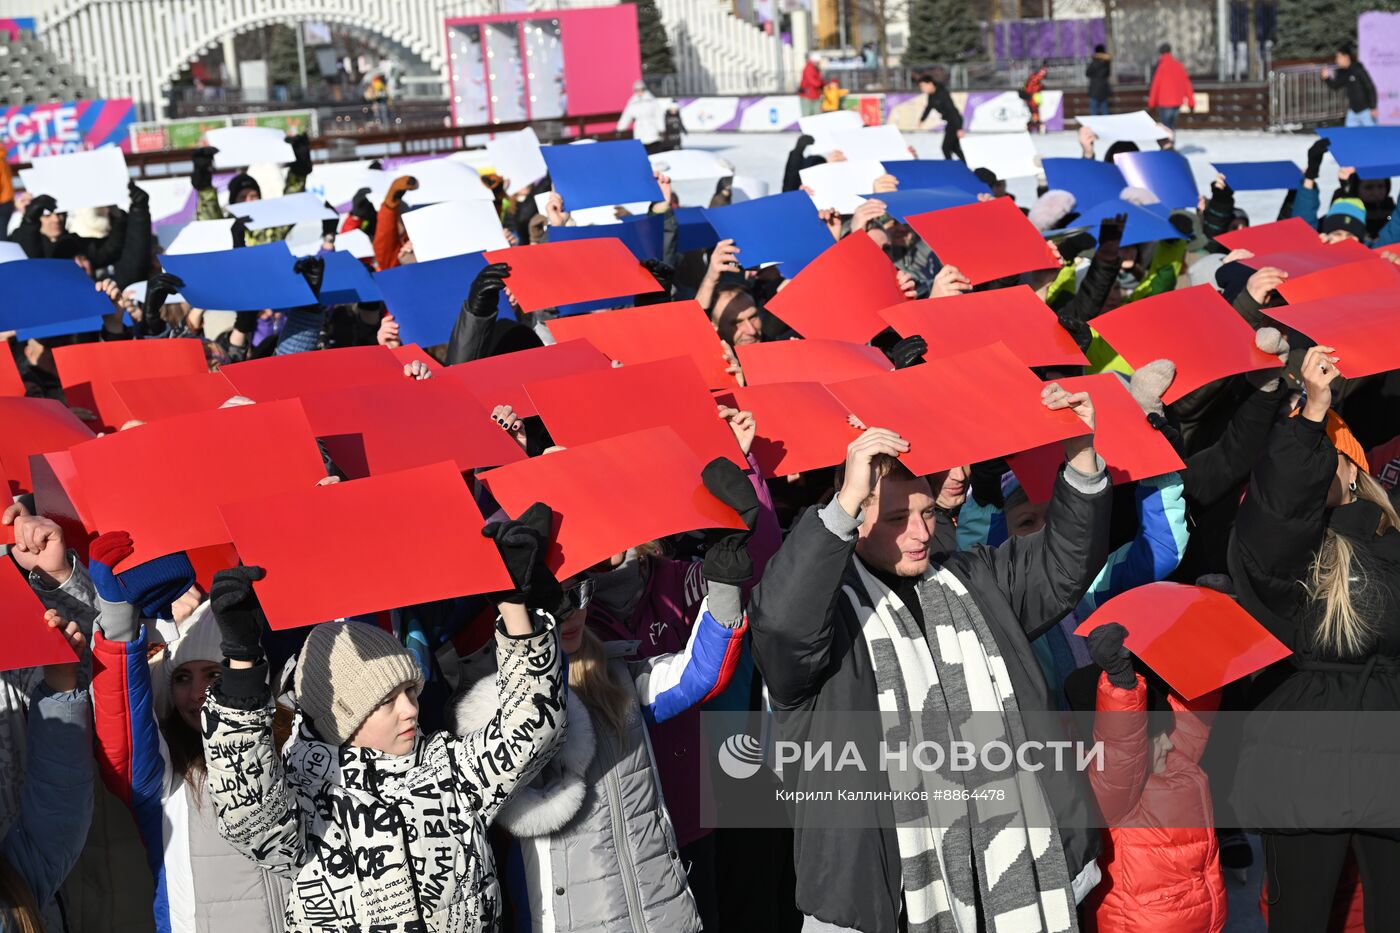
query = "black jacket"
{"x": 1356, "y": 80}
{"x": 808, "y": 645}
{"x": 1097, "y": 71}
{"x": 942, "y": 101}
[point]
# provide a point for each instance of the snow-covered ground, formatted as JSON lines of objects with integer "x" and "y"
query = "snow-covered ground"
{"x": 762, "y": 156}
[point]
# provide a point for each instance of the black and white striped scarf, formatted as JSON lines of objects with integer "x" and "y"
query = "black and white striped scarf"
{"x": 960, "y": 857}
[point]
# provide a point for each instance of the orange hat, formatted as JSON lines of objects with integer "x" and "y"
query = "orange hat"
{"x": 1341, "y": 437}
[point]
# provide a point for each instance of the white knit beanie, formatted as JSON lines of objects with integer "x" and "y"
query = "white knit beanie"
{"x": 1050, "y": 208}
{"x": 345, "y": 670}
{"x": 200, "y": 640}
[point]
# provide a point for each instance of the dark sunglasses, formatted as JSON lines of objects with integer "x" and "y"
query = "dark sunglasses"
{"x": 580, "y": 594}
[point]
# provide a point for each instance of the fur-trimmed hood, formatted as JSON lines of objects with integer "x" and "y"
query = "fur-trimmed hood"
{"x": 555, "y": 796}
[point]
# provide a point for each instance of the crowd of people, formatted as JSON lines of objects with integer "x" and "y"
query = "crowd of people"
{"x": 534, "y": 758}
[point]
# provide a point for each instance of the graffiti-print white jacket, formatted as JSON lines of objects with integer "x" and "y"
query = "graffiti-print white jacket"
{"x": 395, "y": 844}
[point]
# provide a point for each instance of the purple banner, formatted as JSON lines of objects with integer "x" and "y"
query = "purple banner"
{"x": 1044, "y": 38}
{"x": 1379, "y": 48}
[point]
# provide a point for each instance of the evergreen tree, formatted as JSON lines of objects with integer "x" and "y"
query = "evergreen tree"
{"x": 942, "y": 31}
{"x": 1313, "y": 28}
{"x": 656, "y": 47}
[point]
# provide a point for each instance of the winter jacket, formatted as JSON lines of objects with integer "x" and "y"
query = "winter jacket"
{"x": 388, "y": 238}
{"x": 1307, "y": 202}
{"x": 1097, "y": 71}
{"x": 1171, "y": 85}
{"x": 203, "y": 884}
{"x": 390, "y": 843}
{"x": 1356, "y": 81}
{"x": 942, "y": 101}
{"x": 808, "y": 644}
{"x": 810, "y": 87}
{"x": 592, "y": 832}
{"x": 207, "y": 207}
{"x": 661, "y": 625}
{"x": 56, "y": 803}
{"x": 1160, "y": 859}
{"x": 1309, "y": 772}
{"x": 644, "y": 116}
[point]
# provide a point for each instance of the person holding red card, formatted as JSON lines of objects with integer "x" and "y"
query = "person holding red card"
{"x": 853, "y": 615}
{"x": 1316, "y": 559}
{"x": 380, "y": 826}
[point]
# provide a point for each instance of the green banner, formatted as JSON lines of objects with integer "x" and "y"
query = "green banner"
{"x": 189, "y": 133}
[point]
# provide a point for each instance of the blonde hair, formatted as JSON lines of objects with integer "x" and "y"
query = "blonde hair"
{"x": 1339, "y": 583}
{"x": 17, "y": 905}
{"x": 590, "y": 678}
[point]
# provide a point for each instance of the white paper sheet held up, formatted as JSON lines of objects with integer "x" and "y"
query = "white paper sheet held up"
{"x": 242, "y": 146}
{"x": 883, "y": 143}
{"x": 823, "y": 127}
{"x": 283, "y": 211}
{"x": 443, "y": 180}
{"x": 355, "y": 242}
{"x": 1008, "y": 155}
{"x": 169, "y": 196}
{"x": 1133, "y": 127}
{"x": 453, "y": 228}
{"x": 9, "y": 252}
{"x": 747, "y": 188}
{"x": 841, "y": 184}
{"x": 691, "y": 165}
{"x": 202, "y": 236}
{"x": 516, "y": 158}
{"x": 96, "y": 178}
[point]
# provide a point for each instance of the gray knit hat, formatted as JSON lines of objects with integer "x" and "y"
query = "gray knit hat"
{"x": 346, "y": 669}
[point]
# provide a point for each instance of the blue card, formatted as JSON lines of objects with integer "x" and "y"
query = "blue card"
{"x": 1145, "y": 225}
{"x": 248, "y": 279}
{"x": 600, "y": 304}
{"x": 936, "y": 173}
{"x": 1165, "y": 173}
{"x": 426, "y": 297}
{"x": 902, "y": 204}
{"x": 782, "y": 228}
{"x": 86, "y": 325}
{"x": 640, "y": 234}
{"x": 601, "y": 174}
{"x": 1090, "y": 182}
{"x": 694, "y": 231}
{"x": 59, "y": 293}
{"x": 347, "y": 280}
{"x": 1260, "y": 176}
{"x": 1368, "y": 149}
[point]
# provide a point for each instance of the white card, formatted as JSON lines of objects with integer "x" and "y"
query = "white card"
{"x": 1008, "y": 155}
{"x": 355, "y": 242}
{"x": 304, "y": 239}
{"x": 1133, "y": 127}
{"x": 283, "y": 211}
{"x": 242, "y": 146}
{"x": 823, "y": 127}
{"x": 691, "y": 165}
{"x": 746, "y": 188}
{"x": 883, "y": 143}
{"x": 841, "y": 184}
{"x": 9, "y": 252}
{"x": 76, "y": 180}
{"x": 169, "y": 196}
{"x": 337, "y": 182}
{"x": 453, "y": 228}
{"x": 442, "y": 180}
{"x": 202, "y": 236}
{"x": 516, "y": 158}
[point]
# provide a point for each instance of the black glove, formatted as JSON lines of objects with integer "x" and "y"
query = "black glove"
{"x": 38, "y": 207}
{"x": 245, "y": 322}
{"x": 908, "y": 352}
{"x": 1315, "y": 153}
{"x": 331, "y": 226}
{"x": 1173, "y": 436}
{"x": 158, "y": 291}
{"x": 202, "y": 175}
{"x": 239, "y": 232}
{"x": 301, "y": 155}
{"x": 238, "y": 612}
{"x": 1111, "y": 231}
{"x": 486, "y": 289}
{"x": 523, "y": 544}
{"x": 313, "y": 269}
{"x": 984, "y": 482}
{"x": 727, "y": 557}
{"x": 140, "y": 200}
{"x": 803, "y": 142}
{"x": 1108, "y": 651}
{"x": 663, "y": 273}
{"x": 1079, "y": 330}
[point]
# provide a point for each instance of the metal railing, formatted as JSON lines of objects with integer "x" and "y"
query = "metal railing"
{"x": 1299, "y": 98}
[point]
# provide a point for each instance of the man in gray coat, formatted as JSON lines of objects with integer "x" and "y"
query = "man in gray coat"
{"x": 851, "y": 615}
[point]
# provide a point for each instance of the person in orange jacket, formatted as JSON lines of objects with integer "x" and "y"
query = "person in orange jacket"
{"x": 1161, "y": 861}
{"x": 390, "y": 237}
{"x": 1171, "y": 88}
{"x": 7, "y": 192}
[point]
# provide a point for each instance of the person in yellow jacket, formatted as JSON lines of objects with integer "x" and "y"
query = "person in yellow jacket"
{"x": 832, "y": 92}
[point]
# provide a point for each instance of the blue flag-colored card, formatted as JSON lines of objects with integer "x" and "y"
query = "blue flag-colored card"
{"x": 1145, "y": 224}
{"x": 640, "y": 234}
{"x": 782, "y": 228}
{"x": 693, "y": 230}
{"x": 902, "y": 204}
{"x": 1089, "y": 181}
{"x": 347, "y": 280}
{"x": 1164, "y": 172}
{"x": 1371, "y": 150}
{"x": 601, "y": 174}
{"x": 936, "y": 173}
{"x": 426, "y": 297}
{"x": 63, "y": 295}
{"x": 86, "y": 325}
{"x": 248, "y": 279}
{"x": 1260, "y": 176}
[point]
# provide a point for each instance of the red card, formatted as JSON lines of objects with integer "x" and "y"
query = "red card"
{"x": 88, "y": 370}
{"x": 410, "y": 352}
{"x": 961, "y": 409}
{"x": 986, "y": 240}
{"x": 1302, "y": 262}
{"x": 375, "y": 429}
{"x": 1194, "y": 328}
{"x": 169, "y": 396}
{"x": 297, "y": 374}
{"x": 1364, "y": 276}
{"x": 232, "y": 453}
{"x": 664, "y": 495}
{"x": 310, "y": 541}
{"x": 592, "y": 406}
{"x": 28, "y": 641}
{"x": 500, "y": 380}
{"x": 34, "y": 426}
{"x": 1197, "y": 640}
{"x": 651, "y": 333}
{"x": 546, "y": 275}
{"x": 208, "y": 561}
{"x": 839, "y": 295}
{"x": 7, "y": 532}
{"x": 1015, "y": 316}
{"x": 804, "y": 360}
{"x": 56, "y": 496}
{"x": 800, "y": 426}
{"x": 11, "y": 384}
{"x": 1363, "y": 328}
{"x": 1131, "y": 447}
{"x": 1291, "y": 235}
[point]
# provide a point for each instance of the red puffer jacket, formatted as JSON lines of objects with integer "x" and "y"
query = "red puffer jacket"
{"x": 1161, "y": 863}
{"x": 1171, "y": 85}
